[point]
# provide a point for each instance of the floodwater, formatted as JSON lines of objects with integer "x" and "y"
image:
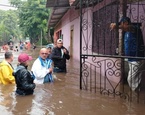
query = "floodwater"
{"x": 63, "y": 97}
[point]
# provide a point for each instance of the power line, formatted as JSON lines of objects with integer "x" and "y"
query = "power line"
{"x": 7, "y": 5}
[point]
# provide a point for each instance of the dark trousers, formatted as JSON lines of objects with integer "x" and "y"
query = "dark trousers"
{"x": 58, "y": 70}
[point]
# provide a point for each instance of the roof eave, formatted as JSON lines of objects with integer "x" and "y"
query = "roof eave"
{"x": 59, "y": 8}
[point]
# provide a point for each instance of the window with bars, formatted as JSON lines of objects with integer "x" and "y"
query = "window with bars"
{"x": 104, "y": 41}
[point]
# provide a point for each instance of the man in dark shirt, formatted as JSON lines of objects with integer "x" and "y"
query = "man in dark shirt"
{"x": 59, "y": 56}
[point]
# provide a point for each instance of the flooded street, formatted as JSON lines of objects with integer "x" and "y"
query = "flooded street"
{"x": 63, "y": 97}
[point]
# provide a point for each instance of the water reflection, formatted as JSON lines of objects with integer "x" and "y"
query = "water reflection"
{"x": 7, "y": 99}
{"x": 23, "y": 105}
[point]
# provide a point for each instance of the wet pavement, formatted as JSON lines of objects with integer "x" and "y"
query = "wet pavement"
{"x": 63, "y": 97}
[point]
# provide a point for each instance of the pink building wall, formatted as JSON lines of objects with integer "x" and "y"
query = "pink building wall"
{"x": 76, "y": 37}
{"x": 71, "y": 18}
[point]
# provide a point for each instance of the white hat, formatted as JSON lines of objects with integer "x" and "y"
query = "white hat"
{"x": 59, "y": 41}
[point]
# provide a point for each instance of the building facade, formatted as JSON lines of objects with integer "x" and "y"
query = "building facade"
{"x": 84, "y": 25}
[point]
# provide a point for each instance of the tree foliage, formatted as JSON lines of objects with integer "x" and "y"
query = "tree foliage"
{"x": 33, "y": 17}
{"x": 9, "y": 25}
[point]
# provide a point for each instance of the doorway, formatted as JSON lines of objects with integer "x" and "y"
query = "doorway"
{"x": 71, "y": 40}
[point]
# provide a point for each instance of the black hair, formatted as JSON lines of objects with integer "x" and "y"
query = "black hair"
{"x": 8, "y": 55}
{"x": 49, "y": 48}
{"x": 125, "y": 19}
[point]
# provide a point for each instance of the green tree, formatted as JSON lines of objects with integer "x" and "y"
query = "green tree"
{"x": 33, "y": 17}
{"x": 9, "y": 25}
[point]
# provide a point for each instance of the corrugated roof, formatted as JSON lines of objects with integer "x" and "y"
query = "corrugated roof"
{"x": 57, "y": 3}
{"x": 59, "y": 8}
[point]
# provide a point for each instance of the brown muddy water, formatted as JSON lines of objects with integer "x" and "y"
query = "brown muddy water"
{"x": 63, "y": 97}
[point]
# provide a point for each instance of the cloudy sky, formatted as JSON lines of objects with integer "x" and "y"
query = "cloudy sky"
{"x": 6, "y": 5}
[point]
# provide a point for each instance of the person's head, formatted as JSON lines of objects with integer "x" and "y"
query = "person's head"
{"x": 125, "y": 22}
{"x": 49, "y": 50}
{"x": 59, "y": 43}
{"x": 43, "y": 53}
{"x": 9, "y": 56}
{"x": 24, "y": 59}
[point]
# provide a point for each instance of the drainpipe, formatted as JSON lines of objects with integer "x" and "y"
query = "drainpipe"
{"x": 80, "y": 44}
{"x": 41, "y": 39}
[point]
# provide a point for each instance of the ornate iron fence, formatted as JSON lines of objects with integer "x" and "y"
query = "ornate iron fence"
{"x": 103, "y": 64}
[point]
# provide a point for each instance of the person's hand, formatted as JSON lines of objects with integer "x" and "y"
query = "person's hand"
{"x": 112, "y": 26}
{"x": 64, "y": 50}
{"x": 50, "y": 70}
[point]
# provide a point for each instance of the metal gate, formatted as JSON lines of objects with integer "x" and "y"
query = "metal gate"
{"x": 103, "y": 65}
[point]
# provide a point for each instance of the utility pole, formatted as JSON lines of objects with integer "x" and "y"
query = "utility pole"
{"x": 41, "y": 39}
